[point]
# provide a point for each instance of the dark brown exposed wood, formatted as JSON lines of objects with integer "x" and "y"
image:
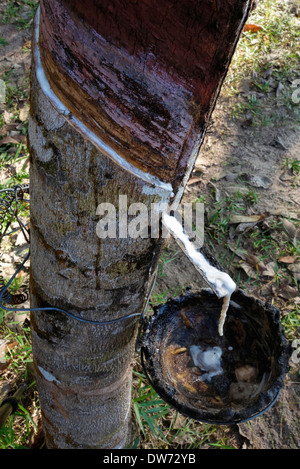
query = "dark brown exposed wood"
{"x": 142, "y": 75}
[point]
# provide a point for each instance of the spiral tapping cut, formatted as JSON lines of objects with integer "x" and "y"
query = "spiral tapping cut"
{"x": 221, "y": 282}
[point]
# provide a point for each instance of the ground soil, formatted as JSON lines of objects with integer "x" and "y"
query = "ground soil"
{"x": 234, "y": 152}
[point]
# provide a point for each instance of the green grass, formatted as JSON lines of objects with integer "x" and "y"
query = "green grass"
{"x": 159, "y": 426}
{"x": 9, "y": 437}
{"x": 275, "y": 46}
{"x": 3, "y": 41}
{"x": 20, "y": 13}
{"x": 149, "y": 408}
{"x": 291, "y": 321}
{"x": 220, "y": 213}
{"x": 20, "y": 426}
{"x": 266, "y": 60}
{"x": 292, "y": 164}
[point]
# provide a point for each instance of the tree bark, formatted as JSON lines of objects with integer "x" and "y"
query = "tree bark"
{"x": 83, "y": 371}
{"x": 89, "y": 144}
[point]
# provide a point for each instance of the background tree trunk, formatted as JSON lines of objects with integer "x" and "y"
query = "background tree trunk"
{"x": 84, "y": 370}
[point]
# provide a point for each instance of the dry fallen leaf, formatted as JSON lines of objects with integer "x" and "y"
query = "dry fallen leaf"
{"x": 24, "y": 113}
{"x": 248, "y": 269}
{"x": 295, "y": 270}
{"x": 289, "y": 228}
{"x": 15, "y": 139}
{"x": 243, "y": 227}
{"x": 218, "y": 196}
{"x": 261, "y": 267}
{"x": 240, "y": 253}
{"x": 27, "y": 45}
{"x": 21, "y": 275}
{"x": 252, "y": 260}
{"x": 7, "y": 116}
{"x": 3, "y": 344}
{"x": 11, "y": 345}
{"x": 246, "y": 218}
{"x": 252, "y": 28}
{"x": 5, "y": 365}
{"x": 288, "y": 259}
{"x": 7, "y": 128}
{"x": 288, "y": 292}
{"x": 270, "y": 269}
{"x": 193, "y": 180}
{"x": 6, "y": 140}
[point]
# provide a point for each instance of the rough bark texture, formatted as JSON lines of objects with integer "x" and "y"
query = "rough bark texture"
{"x": 151, "y": 104}
{"x": 83, "y": 371}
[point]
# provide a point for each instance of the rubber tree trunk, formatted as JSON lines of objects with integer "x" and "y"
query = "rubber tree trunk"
{"x": 121, "y": 93}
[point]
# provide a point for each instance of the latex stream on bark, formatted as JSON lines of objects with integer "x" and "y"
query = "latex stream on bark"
{"x": 220, "y": 282}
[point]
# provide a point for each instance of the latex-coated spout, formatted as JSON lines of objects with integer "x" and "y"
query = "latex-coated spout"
{"x": 221, "y": 283}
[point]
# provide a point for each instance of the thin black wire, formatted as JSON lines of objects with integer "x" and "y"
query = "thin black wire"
{"x": 10, "y": 196}
{"x": 52, "y": 308}
{"x": 7, "y": 297}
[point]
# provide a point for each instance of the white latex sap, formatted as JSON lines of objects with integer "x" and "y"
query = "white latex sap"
{"x": 220, "y": 281}
{"x": 208, "y": 360}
